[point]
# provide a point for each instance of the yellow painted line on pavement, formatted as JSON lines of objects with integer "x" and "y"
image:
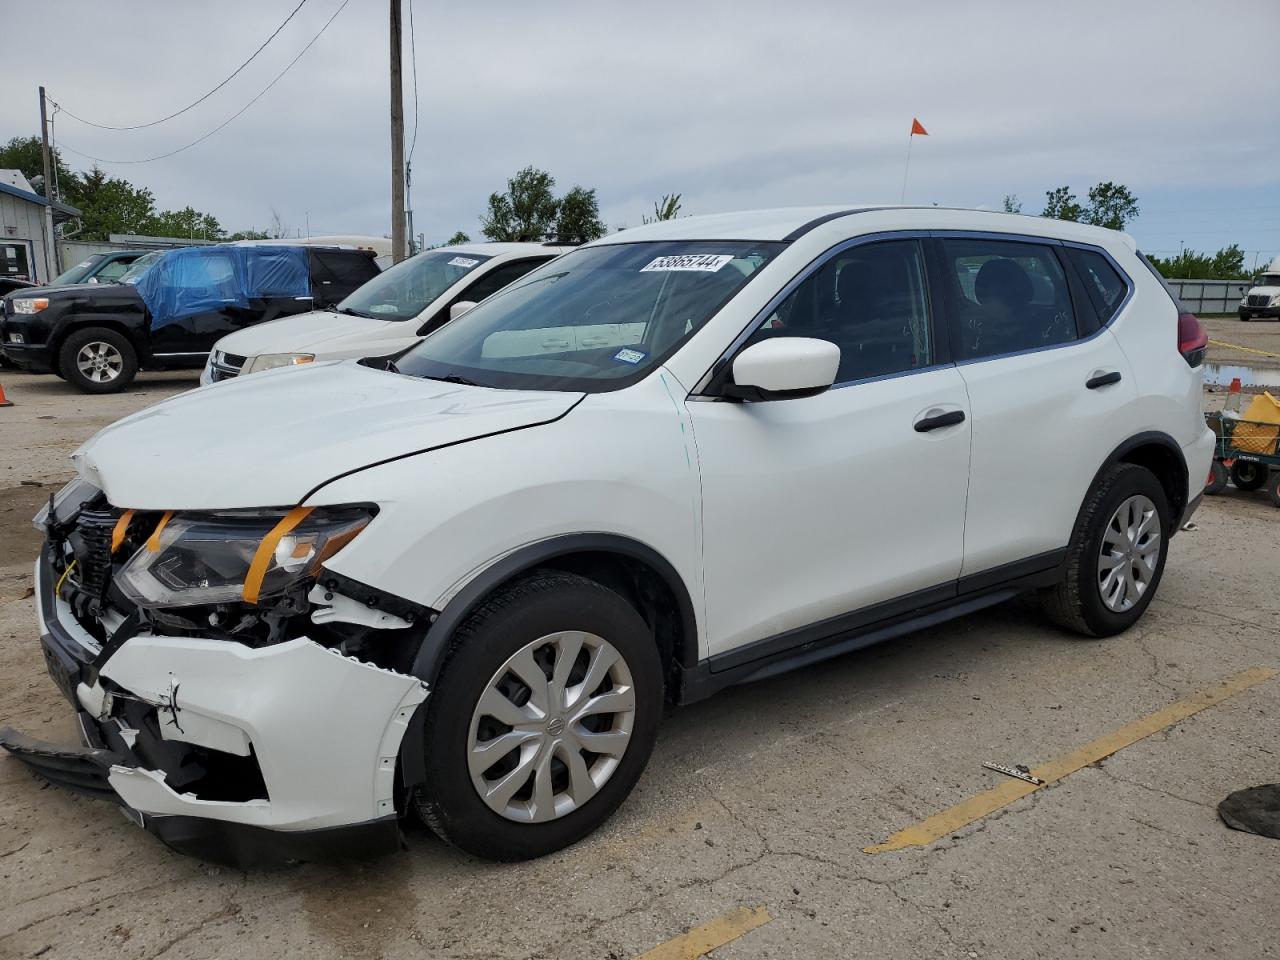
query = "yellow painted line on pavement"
{"x": 976, "y": 807}
{"x": 715, "y": 933}
{"x": 1236, "y": 346}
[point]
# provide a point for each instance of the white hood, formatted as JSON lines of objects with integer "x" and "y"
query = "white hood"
{"x": 323, "y": 333}
{"x": 1267, "y": 291}
{"x": 269, "y": 439}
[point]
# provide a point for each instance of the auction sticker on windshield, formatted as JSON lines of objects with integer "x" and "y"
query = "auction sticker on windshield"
{"x": 701, "y": 262}
{"x": 463, "y": 262}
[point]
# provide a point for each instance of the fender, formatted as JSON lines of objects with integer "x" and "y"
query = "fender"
{"x": 1163, "y": 440}
{"x": 431, "y": 654}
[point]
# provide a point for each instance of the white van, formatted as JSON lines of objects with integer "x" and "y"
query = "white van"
{"x": 1263, "y": 298}
{"x": 390, "y": 313}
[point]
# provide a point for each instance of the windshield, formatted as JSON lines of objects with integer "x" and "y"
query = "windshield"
{"x": 408, "y": 288}
{"x": 139, "y": 267}
{"x": 78, "y": 272}
{"x": 1268, "y": 280}
{"x": 596, "y": 319}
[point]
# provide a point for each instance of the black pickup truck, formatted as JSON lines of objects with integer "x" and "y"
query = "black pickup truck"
{"x": 170, "y": 308}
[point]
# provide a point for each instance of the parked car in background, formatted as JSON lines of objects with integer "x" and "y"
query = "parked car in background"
{"x": 387, "y": 315}
{"x": 99, "y": 268}
{"x": 690, "y": 455}
{"x": 170, "y": 307}
{"x": 1263, "y": 298}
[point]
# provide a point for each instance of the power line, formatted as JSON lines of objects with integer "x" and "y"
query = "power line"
{"x": 413, "y": 55}
{"x": 288, "y": 67}
{"x": 143, "y": 126}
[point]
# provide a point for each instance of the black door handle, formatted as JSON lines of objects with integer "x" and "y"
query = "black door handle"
{"x": 1103, "y": 380}
{"x": 948, "y": 419}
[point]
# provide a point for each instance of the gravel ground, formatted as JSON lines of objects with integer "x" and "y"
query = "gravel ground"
{"x": 764, "y": 796}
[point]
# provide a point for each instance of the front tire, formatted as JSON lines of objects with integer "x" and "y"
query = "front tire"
{"x": 97, "y": 360}
{"x": 1116, "y": 556}
{"x": 542, "y": 719}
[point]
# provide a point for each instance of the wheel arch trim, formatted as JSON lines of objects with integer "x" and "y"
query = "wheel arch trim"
{"x": 435, "y": 645}
{"x": 1164, "y": 441}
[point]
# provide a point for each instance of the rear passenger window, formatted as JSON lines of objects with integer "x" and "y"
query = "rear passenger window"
{"x": 1106, "y": 287}
{"x": 1011, "y": 296}
{"x": 870, "y": 301}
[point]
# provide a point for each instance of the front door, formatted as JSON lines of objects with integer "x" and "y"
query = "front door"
{"x": 818, "y": 507}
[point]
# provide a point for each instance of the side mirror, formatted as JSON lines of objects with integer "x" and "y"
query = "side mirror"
{"x": 459, "y": 308}
{"x": 783, "y": 368}
{"x": 92, "y": 280}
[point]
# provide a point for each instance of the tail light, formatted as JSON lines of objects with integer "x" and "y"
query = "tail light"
{"x": 1193, "y": 341}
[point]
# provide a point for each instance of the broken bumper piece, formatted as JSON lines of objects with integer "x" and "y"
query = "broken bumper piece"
{"x": 246, "y": 755}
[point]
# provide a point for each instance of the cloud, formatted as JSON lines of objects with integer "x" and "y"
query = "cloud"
{"x": 735, "y": 105}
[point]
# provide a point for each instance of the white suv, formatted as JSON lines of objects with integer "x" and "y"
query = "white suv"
{"x": 386, "y": 315}
{"x": 685, "y": 456}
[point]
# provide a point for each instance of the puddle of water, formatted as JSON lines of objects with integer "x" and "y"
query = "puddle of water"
{"x": 1221, "y": 375}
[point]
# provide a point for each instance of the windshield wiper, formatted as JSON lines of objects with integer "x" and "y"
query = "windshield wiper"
{"x": 351, "y": 313}
{"x": 454, "y": 378}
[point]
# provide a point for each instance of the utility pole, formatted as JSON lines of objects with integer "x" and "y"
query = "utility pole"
{"x": 397, "y": 140}
{"x": 50, "y": 242}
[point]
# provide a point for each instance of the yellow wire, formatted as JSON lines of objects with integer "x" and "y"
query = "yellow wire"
{"x": 57, "y": 591}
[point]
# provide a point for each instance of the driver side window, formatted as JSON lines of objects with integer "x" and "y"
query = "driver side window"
{"x": 870, "y": 301}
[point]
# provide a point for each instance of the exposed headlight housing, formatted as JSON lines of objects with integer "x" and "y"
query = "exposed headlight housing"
{"x": 30, "y": 304}
{"x": 240, "y": 556}
{"x": 17, "y": 338}
{"x": 269, "y": 361}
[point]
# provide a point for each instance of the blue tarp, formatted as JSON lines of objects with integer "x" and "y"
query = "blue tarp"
{"x": 195, "y": 280}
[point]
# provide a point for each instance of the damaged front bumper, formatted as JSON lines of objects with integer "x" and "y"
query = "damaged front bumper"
{"x": 241, "y": 754}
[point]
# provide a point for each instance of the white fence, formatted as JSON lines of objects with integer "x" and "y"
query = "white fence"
{"x": 1210, "y": 296}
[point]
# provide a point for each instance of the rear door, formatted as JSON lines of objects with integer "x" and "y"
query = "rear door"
{"x": 1050, "y": 391}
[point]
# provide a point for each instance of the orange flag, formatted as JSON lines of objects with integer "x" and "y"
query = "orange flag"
{"x": 917, "y": 127}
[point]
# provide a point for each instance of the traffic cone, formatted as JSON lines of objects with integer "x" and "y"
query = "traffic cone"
{"x": 4, "y": 401}
{"x": 1233, "y": 396}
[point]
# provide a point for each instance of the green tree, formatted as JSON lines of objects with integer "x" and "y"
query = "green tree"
{"x": 578, "y": 220}
{"x": 456, "y": 239}
{"x": 1111, "y": 205}
{"x": 1226, "y": 264}
{"x": 26, "y": 154}
{"x": 1060, "y": 204}
{"x": 668, "y": 208}
{"x": 110, "y": 205}
{"x": 526, "y": 212}
{"x": 187, "y": 222}
{"x": 250, "y": 234}
{"x": 1012, "y": 204}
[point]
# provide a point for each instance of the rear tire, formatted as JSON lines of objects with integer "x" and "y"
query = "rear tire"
{"x": 1273, "y": 487}
{"x": 1217, "y": 479}
{"x": 1248, "y": 476}
{"x": 97, "y": 360}
{"x": 1120, "y": 543}
{"x": 568, "y": 628}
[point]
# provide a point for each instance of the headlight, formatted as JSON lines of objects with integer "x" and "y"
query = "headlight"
{"x": 269, "y": 361}
{"x": 1275, "y": 301}
{"x": 240, "y": 556}
{"x": 30, "y": 304}
{"x": 17, "y": 338}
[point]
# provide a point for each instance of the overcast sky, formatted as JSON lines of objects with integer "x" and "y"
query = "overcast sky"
{"x": 735, "y": 105}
